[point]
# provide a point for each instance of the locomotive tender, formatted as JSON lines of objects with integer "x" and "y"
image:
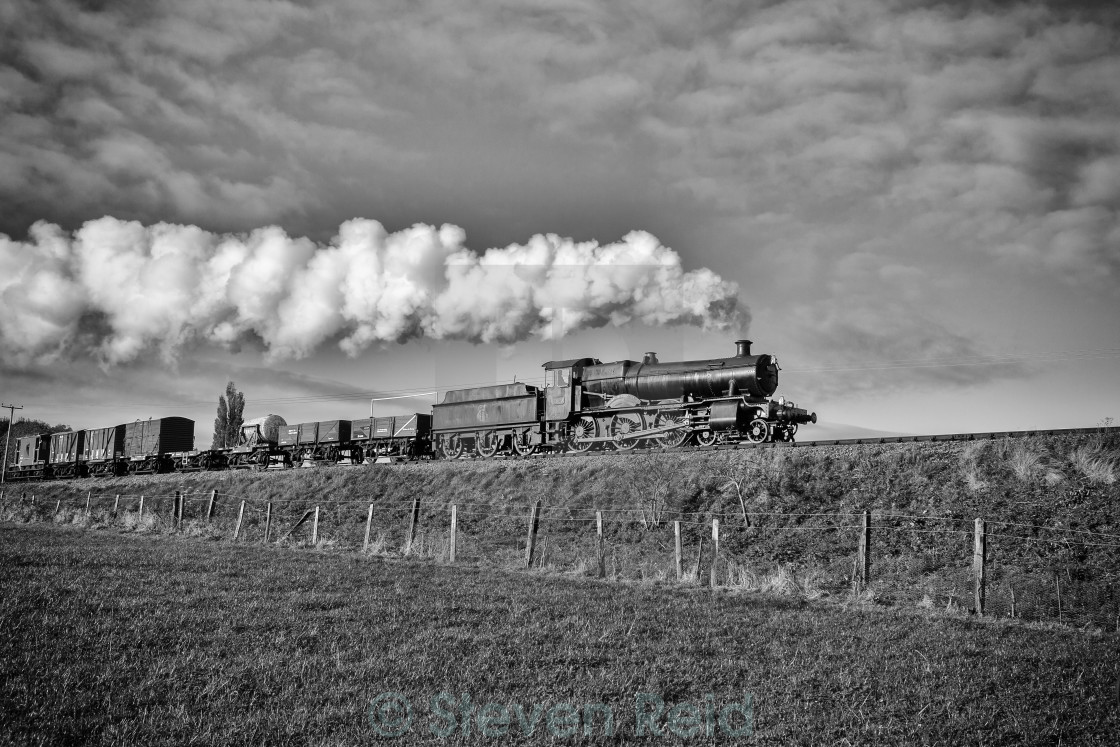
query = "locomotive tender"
{"x": 585, "y": 404}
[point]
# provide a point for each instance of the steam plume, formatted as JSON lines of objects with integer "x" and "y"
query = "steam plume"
{"x": 117, "y": 289}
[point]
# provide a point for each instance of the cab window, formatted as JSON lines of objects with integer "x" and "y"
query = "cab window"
{"x": 557, "y": 377}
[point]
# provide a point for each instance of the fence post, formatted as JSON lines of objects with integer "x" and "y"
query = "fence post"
{"x": 240, "y": 515}
{"x": 141, "y": 516}
{"x": 369, "y": 524}
{"x": 715, "y": 553}
{"x": 677, "y": 548}
{"x": 413, "y": 523}
{"x": 176, "y": 513}
{"x": 531, "y": 540}
{"x": 454, "y": 522}
{"x": 210, "y": 506}
{"x": 599, "y": 546}
{"x": 315, "y": 527}
{"x": 267, "y": 521}
{"x": 1058, "y": 589}
{"x": 863, "y": 562}
{"x": 116, "y": 503}
{"x": 89, "y": 494}
{"x": 979, "y": 547}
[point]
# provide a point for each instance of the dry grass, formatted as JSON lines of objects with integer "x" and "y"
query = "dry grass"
{"x": 1093, "y": 464}
{"x": 783, "y": 581}
{"x": 1025, "y": 462}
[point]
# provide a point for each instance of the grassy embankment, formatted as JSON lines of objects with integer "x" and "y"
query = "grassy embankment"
{"x": 1043, "y": 497}
{"x": 114, "y": 638}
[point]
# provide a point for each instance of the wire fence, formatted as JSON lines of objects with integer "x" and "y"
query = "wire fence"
{"x": 998, "y": 568}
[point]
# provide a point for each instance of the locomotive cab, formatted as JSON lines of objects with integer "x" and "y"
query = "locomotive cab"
{"x": 562, "y": 390}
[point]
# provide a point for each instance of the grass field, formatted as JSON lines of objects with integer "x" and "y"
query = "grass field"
{"x": 1052, "y": 505}
{"x": 124, "y": 638}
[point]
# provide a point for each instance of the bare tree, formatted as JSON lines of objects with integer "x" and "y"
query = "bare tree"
{"x": 227, "y": 426}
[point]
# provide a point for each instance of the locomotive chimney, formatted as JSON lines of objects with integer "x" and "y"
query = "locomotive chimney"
{"x": 742, "y": 348}
{"x": 649, "y": 358}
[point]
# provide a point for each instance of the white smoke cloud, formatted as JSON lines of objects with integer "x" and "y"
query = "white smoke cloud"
{"x": 117, "y": 289}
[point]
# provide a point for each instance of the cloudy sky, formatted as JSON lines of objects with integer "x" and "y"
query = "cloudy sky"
{"x": 914, "y": 205}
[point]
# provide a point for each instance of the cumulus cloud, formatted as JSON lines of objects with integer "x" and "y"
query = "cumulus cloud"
{"x": 118, "y": 289}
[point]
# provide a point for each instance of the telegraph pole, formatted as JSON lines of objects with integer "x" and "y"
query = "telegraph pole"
{"x": 11, "y": 416}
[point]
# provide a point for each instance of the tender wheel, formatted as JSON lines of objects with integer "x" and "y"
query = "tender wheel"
{"x": 705, "y": 438}
{"x": 758, "y": 431}
{"x": 585, "y": 427}
{"x": 624, "y": 424}
{"x": 672, "y": 439}
{"x": 452, "y": 446}
{"x": 521, "y": 445}
{"x": 486, "y": 444}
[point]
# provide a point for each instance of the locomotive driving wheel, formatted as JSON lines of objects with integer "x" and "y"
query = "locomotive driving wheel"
{"x": 624, "y": 424}
{"x": 486, "y": 443}
{"x": 674, "y": 438}
{"x": 583, "y": 428}
{"x": 758, "y": 431}
{"x": 452, "y": 446}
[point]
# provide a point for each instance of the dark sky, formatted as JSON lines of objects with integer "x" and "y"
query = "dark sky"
{"x": 890, "y": 187}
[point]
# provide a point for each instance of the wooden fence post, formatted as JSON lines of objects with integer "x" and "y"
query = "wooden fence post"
{"x": 141, "y": 516}
{"x": 413, "y": 523}
{"x": 600, "y": 548}
{"x": 1058, "y": 589}
{"x": 210, "y": 506}
{"x": 176, "y": 510}
{"x": 979, "y": 548}
{"x": 89, "y": 494}
{"x": 267, "y": 520}
{"x": 531, "y": 540}
{"x": 863, "y": 561}
{"x": 315, "y": 527}
{"x": 715, "y": 554}
{"x": 240, "y": 515}
{"x": 369, "y": 525}
{"x": 454, "y": 522}
{"x": 116, "y": 503}
{"x": 677, "y": 549}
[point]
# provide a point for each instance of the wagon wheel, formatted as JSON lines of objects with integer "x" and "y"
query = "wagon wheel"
{"x": 672, "y": 439}
{"x": 585, "y": 427}
{"x": 486, "y": 443}
{"x": 624, "y": 424}
{"x": 758, "y": 431}
{"x": 521, "y": 444}
{"x": 452, "y": 446}
{"x": 705, "y": 438}
{"x": 132, "y": 467}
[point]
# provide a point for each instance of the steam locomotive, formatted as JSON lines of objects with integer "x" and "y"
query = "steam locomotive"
{"x": 584, "y": 404}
